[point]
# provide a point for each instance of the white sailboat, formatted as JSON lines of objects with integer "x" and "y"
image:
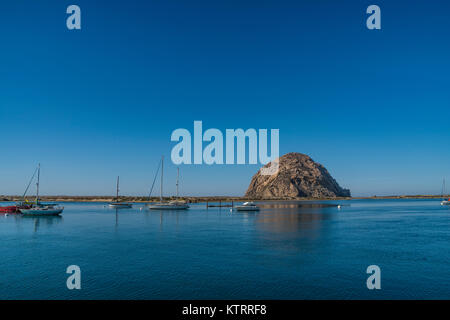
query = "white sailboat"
{"x": 171, "y": 205}
{"x": 117, "y": 204}
{"x": 40, "y": 209}
{"x": 444, "y": 202}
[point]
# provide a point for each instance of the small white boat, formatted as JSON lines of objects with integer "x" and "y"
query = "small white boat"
{"x": 117, "y": 204}
{"x": 445, "y": 203}
{"x": 171, "y": 205}
{"x": 247, "y": 206}
{"x": 43, "y": 210}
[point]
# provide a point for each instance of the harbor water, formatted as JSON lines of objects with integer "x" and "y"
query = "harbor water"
{"x": 285, "y": 251}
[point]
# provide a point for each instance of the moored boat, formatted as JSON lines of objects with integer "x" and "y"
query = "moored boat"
{"x": 24, "y": 204}
{"x": 118, "y": 204}
{"x": 444, "y": 202}
{"x": 247, "y": 206}
{"x": 171, "y": 205}
{"x": 9, "y": 209}
{"x": 37, "y": 208}
{"x": 43, "y": 210}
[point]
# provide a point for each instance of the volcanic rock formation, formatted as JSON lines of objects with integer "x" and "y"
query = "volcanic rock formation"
{"x": 298, "y": 177}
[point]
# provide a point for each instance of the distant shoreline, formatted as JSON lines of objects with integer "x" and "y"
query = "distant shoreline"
{"x": 201, "y": 199}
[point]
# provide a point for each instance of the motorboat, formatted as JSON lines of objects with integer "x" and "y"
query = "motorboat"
{"x": 247, "y": 206}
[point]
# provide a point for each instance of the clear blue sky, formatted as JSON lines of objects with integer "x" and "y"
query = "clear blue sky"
{"x": 372, "y": 106}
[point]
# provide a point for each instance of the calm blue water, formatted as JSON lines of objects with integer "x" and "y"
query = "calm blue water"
{"x": 278, "y": 253}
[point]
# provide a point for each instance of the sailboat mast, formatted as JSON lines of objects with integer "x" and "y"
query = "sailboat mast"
{"x": 117, "y": 190}
{"x": 178, "y": 177}
{"x": 443, "y": 188}
{"x": 37, "y": 184}
{"x": 162, "y": 175}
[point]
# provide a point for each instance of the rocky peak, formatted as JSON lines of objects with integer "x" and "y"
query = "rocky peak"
{"x": 298, "y": 177}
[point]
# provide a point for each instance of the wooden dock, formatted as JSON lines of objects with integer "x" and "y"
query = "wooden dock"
{"x": 220, "y": 205}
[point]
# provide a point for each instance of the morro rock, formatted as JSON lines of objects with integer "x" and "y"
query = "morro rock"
{"x": 298, "y": 177}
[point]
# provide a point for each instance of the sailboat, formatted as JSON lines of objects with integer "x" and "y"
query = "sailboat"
{"x": 171, "y": 205}
{"x": 444, "y": 202}
{"x": 23, "y": 203}
{"x": 38, "y": 208}
{"x": 117, "y": 204}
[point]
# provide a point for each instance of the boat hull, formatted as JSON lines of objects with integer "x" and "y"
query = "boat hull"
{"x": 42, "y": 212}
{"x": 9, "y": 209}
{"x": 245, "y": 208}
{"x": 168, "y": 206}
{"x": 120, "y": 205}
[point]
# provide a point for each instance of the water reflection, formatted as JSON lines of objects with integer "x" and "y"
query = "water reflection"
{"x": 292, "y": 220}
{"x": 292, "y": 227}
{"x": 295, "y": 205}
{"x": 165, "y": 217}
{"x": 41, "y": 221}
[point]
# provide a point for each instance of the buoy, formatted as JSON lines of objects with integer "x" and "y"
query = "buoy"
{"x": 339, "y": 206}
